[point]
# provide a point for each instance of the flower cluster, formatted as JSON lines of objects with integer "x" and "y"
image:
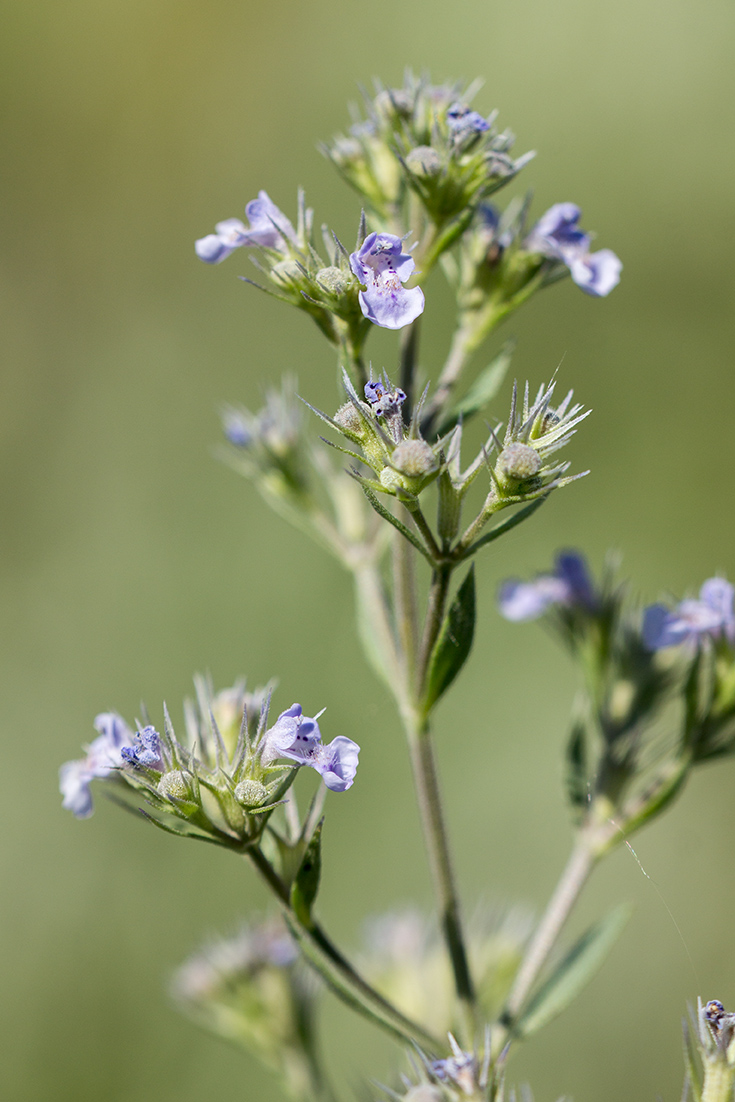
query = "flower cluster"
{"x": 396, "y": 452}
{"x": 250, "y": 989}
{"x": 424, "y": 138}
{"x": 404, "y": 957}
{"x": 225, "y": 781}
{"x": 272, "y": 447}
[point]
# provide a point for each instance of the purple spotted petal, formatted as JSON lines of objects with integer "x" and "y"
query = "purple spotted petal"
{"x": 293, "y": 736}
{"x": 461, "y": 120}
{"x": 145, "y": 750}
{"x": 382, "y": 266}
{"x": 557, "y": 231}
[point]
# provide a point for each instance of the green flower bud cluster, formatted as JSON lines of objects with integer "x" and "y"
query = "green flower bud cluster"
{"x": 251, "y": 989}
{"x": 271, "y": 447}
{"x": 327, "y": 290}
{"x": 423, "y": 138}
{"x": 535, "y": 432}
{"x": 221, "y": 783}
{"x": 404, "y": 463}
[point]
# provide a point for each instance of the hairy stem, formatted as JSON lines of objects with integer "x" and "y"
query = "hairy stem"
{"x": 575, "y": 875}
{"x": 405, "y": 602}
{"x": 459, "y": 352}
{"x": 409, "y": 347}
{"x": 336, "y": 970}
{"x": 437, "y": 844}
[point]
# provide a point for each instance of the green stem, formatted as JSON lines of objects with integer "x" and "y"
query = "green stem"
{"x": 575, "y": 875}
{"x": 425, "y": 530}
{"x": 437, "y": 844}
{"x": 460, "y": 350}
{"x": 409, "y": 346}
{"x": 336, "y": 970}
{"x": 404, "y": 599}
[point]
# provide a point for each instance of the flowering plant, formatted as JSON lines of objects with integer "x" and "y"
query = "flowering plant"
{"x": 659, "y": 683}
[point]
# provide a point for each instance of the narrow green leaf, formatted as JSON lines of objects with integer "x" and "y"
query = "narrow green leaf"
{"x": 577, "y": 782}
{"x": 386, "y": 514}
{"x": 573, "y": 972}
{"x": 306, "y": 882}
{"x": 483, "y": 390}
{"x": 454, "y": 642}
{"x": 691, "y": 1063}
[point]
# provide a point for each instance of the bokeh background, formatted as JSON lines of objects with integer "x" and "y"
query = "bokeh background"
{"x": 131, "y": 558}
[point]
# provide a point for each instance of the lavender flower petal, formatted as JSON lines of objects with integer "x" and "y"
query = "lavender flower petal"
{"x": 145, "y": 751}
{"x": 337, "y": 763}
{"x": 293, "y": 736}
{"x": 692, "y": 620}
{"x": 383, "y": 268}
{"x": 596, "y": 273}
{"x": 519, "y": 600}
{"x": 558, "y": 236}
{"x": 269, "y": 228}
{"x": 104, "y": 755}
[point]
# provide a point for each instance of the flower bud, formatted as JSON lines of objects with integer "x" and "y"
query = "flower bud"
{"x": 335, "y": 281}
{"x": 350, "y": 420}
{"x": 289, "y": 272}
{"x": 424, "y": 1092}
{"x": 518, "y": 462}
{"x": 394, "y": 104}
{"x": 414, "y": 458}
{"x": 251, "y": 793}
{"x": 424, "y": 161}
{"x": 390, "y": 479}
{"x": 175, "y": 784}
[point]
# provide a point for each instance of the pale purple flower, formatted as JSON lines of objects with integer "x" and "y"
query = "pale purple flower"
{"x": 145, "y": 751}
{"x": 558, "y": 236}
{"x": 268, "y": 229}
{"x": 103, "y": 756}
{"x": 292, "y": 733}
{"x": 298, "y": 738}
{"x": 461, "y": 120}
{"x": 570, "y": 585}
{"x": 383, "y": 268}
{"x": 710, "y": 615}
{"x": 460, "y": 1070}
{"x": 384, "y": 400}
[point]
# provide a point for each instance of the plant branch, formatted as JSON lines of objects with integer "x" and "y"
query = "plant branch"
{"x": 575, "y": 875}
{"x": 437, "y": 844}
{"x": 335, "y": 969}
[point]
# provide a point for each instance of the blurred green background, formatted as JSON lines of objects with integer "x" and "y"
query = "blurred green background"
{"x": 131, "y": 558}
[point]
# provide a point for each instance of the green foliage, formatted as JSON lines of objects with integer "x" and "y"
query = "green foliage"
{"x": 454, "y": 642}
{"x": 573, "y": 972}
